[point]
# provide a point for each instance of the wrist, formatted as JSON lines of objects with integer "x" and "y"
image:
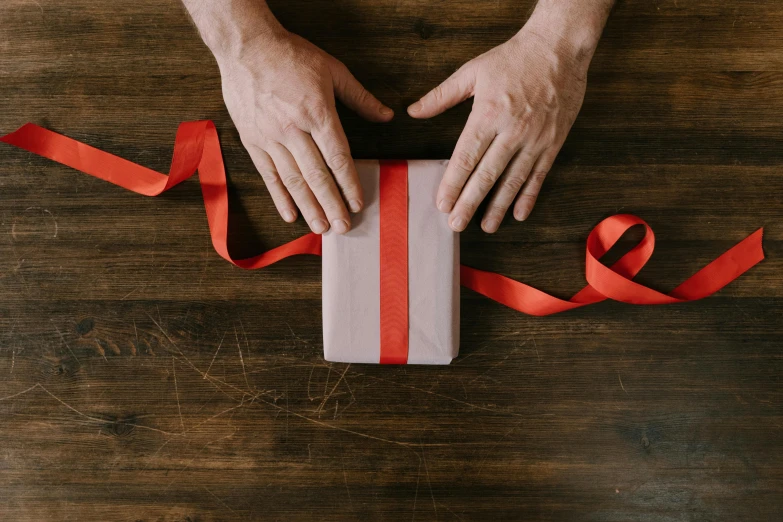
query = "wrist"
{"x": 573, "y": 29}
{"x": 236, "y": 27}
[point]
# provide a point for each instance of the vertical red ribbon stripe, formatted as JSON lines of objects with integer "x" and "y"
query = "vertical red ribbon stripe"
{"x": 394, "y": 261}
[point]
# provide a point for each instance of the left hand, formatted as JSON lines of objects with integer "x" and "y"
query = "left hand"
{"x": 527, "y": 93}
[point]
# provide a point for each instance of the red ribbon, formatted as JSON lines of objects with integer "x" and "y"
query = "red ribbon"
{"x": 197, "y": 147}
{"x": 393, "y": 196}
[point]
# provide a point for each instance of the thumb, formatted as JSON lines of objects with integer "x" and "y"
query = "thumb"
{"x": 353, "y": 94}
{"x": 457, "y": 88}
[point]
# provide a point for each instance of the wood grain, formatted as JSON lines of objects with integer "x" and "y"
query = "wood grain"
{"x": 146, "y": 379}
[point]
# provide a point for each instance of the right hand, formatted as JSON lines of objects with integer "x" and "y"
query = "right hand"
{"x": 280, "y": 92}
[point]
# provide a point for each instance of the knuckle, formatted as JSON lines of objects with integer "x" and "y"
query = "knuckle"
{"x": 294, "y": 182}
{"x": 319, "y": 114}
{"x": 551, "y": 135}
{"x": 333, "y": 207}
{"x": 524, "y": 205}
{"x": 506, "y": 147}
{"x": 495, "y": 212}
{"x": 437, "y": 94}
{"x": 513, "y": 184}
{"x": 490, "y": 110}
{"x": 485, "y": 179}
{"x": 289, "y": 128}
{"x": 465, "y": 161}
{"x": 316, "y": 177}
{"x": 271, "y": 179}
{"x": 537, "y": 177}
{"x": 362, "y": 95}
{"x": 451, "y": 188}
{"x": 339, "y": 161}
{"x": 469, "y": 206}
{"x": 519, "y": 127}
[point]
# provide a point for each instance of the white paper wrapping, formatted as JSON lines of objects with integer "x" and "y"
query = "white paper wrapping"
{"x": 351, "y": 275}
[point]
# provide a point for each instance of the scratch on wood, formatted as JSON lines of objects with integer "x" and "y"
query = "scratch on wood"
{"x": 621, "y": 383}
{"x": 241, "y": 359}
{"x": 176, "y": 391}
{"x": 310, "y": 380}
{"x": 136, "y": 331}
{"x": 214, "y": 356}
{"x": 244, "y": 334}
{"x": 536, "y": 348}
{"x": 346, "y": 430}
{"x": 435, "y": 394}
{"x": 326, "y": 397}
{"x": 218, "y": 499}
{"x": 65, "y": 343}
{"x": 345, "y": 479}
{"x": 40, "y": 386}
{"x": 450, "y": 511}
{"x": 484, "y": 346}
{"x": 161, "y": 328}
{"x": 129, "y": 293}
{"x": 512, "y": 352}
{"x": 429, "y": 483}
{"x": 501, "y": 439}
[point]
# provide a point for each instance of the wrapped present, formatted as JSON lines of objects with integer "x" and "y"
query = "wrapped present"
{"x": 391, "y": 284}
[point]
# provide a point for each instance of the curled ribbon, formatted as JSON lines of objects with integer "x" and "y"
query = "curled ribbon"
{"x": 197, "y": 147}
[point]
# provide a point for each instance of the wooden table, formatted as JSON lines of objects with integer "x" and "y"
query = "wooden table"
{"x": 144, "y": 378}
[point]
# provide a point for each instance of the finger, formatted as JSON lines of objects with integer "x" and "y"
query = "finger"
{"x": 356, "y": 97}
{"x": 471, "y": 146}
{"x": 455, "y": 89}
{"x": 482, "y": 180}
{"x": 318, "y": 177}
{"x": 527, "y": 197}
{"x": 266, "y": 167}
{"x": 335, "y": 150}
{"x": 506, "y": 189}
{"x": 298, "y": 188}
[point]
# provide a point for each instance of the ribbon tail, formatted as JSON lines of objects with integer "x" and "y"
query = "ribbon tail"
{"x": 729, "y": 266}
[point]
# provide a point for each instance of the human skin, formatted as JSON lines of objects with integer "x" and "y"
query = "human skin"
{"x": 280, "y": 91}
{"x": 526, "y": 94}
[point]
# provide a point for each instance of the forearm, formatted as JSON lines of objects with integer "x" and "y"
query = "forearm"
{"x": 229, "y": 26}
{"x": 576, "y": 24}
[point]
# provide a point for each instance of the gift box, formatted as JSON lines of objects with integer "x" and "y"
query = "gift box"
{"x": 391, "y": 284}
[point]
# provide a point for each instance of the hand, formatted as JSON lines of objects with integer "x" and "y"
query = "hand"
{"x": 527, "y": 93}
{"x": 280, "y": 92}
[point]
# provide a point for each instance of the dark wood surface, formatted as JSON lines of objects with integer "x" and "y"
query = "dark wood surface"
{"x": 144, "y": 378}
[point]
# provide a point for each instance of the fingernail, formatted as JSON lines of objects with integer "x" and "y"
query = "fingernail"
{"x": 385, "y": 111}
{"x": 444, "y": 205}
{"x": 340, "y": 226}
{"x": 522, "y": 215}
{"x": 289, "y": 216}
{"x": 415, "y": 108}
{"x": 491, "y": 225}
{"x": 319, "y": 226}
{"x": 458, "y": 224}
{"x": 354, "y": 205}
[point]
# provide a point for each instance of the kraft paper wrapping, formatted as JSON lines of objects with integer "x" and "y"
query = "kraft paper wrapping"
{"x": 351, "y": 275}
